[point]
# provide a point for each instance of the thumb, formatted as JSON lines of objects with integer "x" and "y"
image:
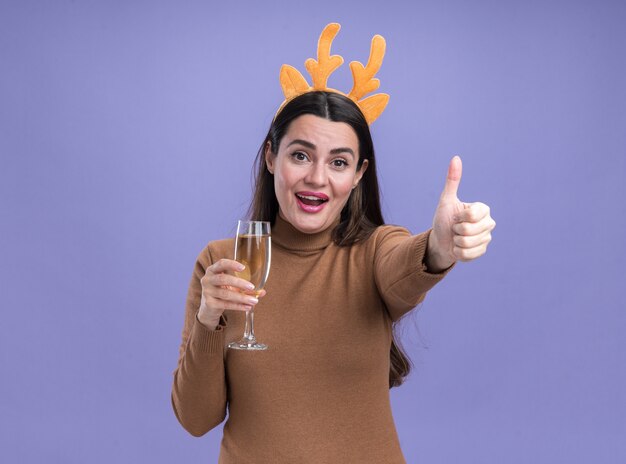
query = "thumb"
{"x": 454, "y": 178}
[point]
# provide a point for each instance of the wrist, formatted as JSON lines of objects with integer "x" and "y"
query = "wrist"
{"x": 435, "y": 260}
{"x": 207, "y": 321}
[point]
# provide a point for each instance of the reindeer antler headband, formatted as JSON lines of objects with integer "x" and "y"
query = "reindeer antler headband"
{"x": 294, "y": 84}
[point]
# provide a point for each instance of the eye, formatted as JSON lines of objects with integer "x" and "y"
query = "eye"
{"x": 299, "y": 156}
{"x": 339, "y": 163}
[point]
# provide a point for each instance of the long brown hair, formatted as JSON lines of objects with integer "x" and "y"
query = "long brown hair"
{"x": 361, "y": 214}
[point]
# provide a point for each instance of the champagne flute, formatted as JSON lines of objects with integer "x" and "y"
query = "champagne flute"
{"x": 253, "y": 249}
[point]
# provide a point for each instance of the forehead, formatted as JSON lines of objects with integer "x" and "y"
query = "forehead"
{"x": 322, "y": 133}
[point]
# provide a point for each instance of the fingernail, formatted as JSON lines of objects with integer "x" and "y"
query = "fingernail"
{"x": 250, "y": 286}
{"x": 240, "y": 267}
{"x": 252, "y": 300}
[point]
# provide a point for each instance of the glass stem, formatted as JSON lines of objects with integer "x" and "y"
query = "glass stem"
{"x": 248, "y": 333}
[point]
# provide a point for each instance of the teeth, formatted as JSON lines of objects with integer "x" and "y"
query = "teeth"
{"x": 308, "y": 197}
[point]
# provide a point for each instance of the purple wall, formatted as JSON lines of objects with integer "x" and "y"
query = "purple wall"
{"x": 127, "y": 131}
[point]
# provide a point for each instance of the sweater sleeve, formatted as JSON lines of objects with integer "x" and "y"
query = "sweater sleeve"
{"x": 401, "y": 275}
{"x": 199, "y": 387}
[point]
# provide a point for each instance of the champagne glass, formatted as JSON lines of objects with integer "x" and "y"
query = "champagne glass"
{"x": 253, "y": 249}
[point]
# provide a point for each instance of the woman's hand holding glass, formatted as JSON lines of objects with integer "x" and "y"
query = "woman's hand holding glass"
{"x": 221, "y": 290}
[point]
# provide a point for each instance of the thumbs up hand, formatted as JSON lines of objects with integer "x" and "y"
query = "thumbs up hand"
{"x": 461, "y": 231}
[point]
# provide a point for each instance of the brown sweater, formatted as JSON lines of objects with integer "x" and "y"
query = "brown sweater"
{"x": 320, "y": 393}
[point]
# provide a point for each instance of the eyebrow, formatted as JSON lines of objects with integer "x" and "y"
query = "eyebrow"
{"x": 334, "y": 151}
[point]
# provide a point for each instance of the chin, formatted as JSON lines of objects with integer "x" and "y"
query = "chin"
{"x": 309, "y": 225}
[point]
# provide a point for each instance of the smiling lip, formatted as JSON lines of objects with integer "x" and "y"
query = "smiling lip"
{"x": 304, "y": 198}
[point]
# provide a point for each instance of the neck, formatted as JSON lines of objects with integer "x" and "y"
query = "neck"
{"x": 287, "y": 236}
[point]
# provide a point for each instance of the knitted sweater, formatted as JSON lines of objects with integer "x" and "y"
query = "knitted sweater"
{"x": 320, "y": 392}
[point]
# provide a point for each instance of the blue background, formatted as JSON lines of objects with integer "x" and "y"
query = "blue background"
{"x": 127, "y": 134}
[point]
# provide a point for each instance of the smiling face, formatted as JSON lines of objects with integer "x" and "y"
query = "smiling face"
{"x": 314, "y": 171}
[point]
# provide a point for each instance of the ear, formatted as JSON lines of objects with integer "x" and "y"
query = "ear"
{"x": 269, "y": 157}
{"x": 373, "y": 106}
{"x": 359, "y": 173}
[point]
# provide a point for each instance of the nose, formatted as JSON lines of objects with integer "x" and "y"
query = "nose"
{"x": 316, "y": 175}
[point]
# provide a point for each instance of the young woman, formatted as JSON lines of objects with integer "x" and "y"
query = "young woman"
{"x": 339, "y": 280}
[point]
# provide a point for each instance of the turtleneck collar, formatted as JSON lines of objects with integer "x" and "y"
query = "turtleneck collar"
{"x": 287, "y": 236}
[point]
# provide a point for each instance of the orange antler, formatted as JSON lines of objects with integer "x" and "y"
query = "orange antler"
{"x": 294, "y": 84}
{"x": 321, "y": 69}
{"x": 364, "y": 80}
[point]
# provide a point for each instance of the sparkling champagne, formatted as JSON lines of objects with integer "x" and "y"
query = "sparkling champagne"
{"x": 254, "y": 252}
{"x": 253, "y": 249}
